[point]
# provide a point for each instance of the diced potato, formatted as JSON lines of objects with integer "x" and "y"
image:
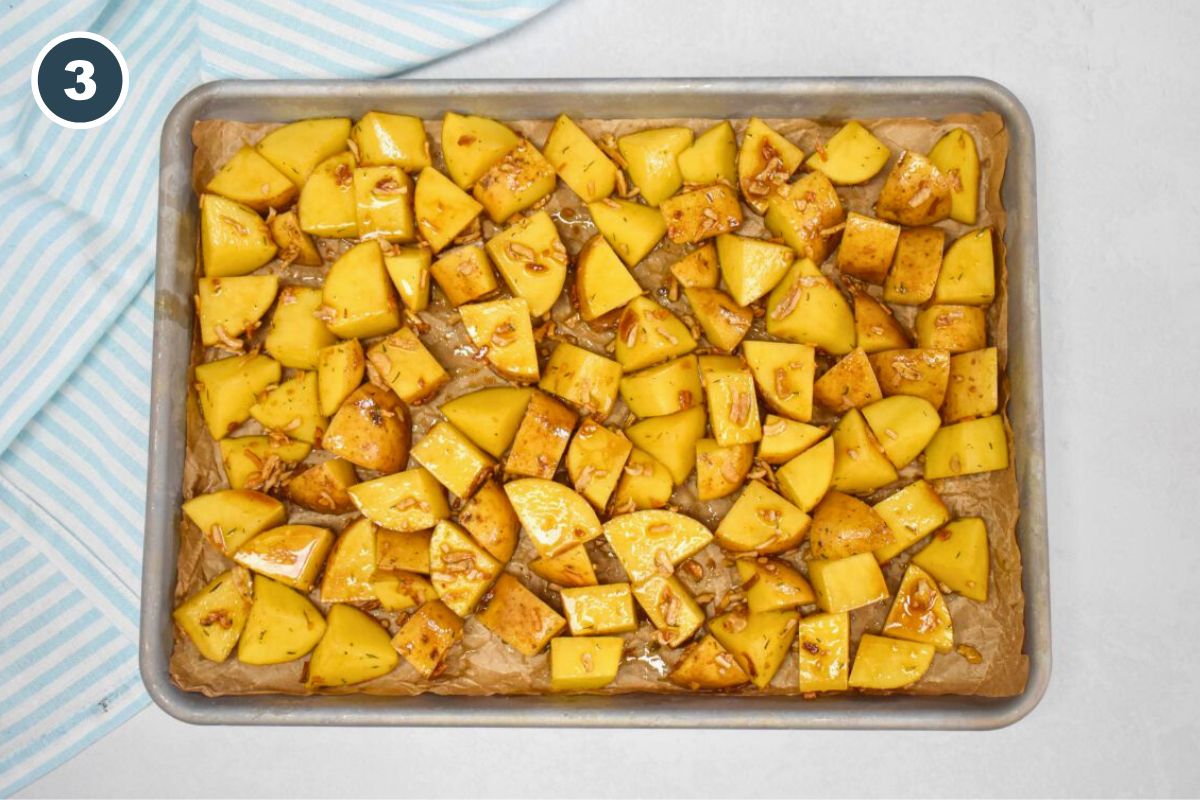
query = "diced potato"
{"x": 295, "y": 246}
{"x": 595, "y": 460}
{"x": 541, "y": 438}
{"x": 459, "y": 569}
{"x": 761, "y": 521}
{"x": 472, "y": 145}
{"x": 328, "y": 204}
{"x": 823, "y": 657}
{"x": 351, "y": 565}
{"x": 852, "y": 155}
{"x": 297, "y": 334}
{"x": 257, "y": 462}
{"x": 251, "y": 180}
{"x": 503, "y": 333}
{"x": 957, "y": 556}
{"x": 648, "y": 333}
{"x": 372, "y": 429}
{"x": 582, "y": 377}
{"x": 213, "y": 618}
{"x": 491, "y": 519}
{"x": 298, "y": 148}
{"x": 665, "y": 389}
{"x": 712, "y": 158}
{"x": 806, "y": 478}
{"x": 383, "y": 204}
{"x": 844, "y": 526}
{"x": 967, "y": 448}
{"x": 340, "y": 370}
{"x": 956, "y": 157}
{"x": 867, "y": 247}
{"x": 408, "y": 267}
{"x": 698, "y": 268}
{"x": 227, "y": 389}
{"x": 784, "y": 374}
{"x": 733, "y": 407}
{"x": 883, "y": 663}
{"x": 453, "y": 459}
{"x": 808, "y": 215}
{"x": 784, "y": 439}
{"x": 443, "y": 210}
{"x": 651, "y": 157}
{"x": 579, "y": 162}
{"x": 400, "y": 591}
{"x": 602, "y": 283}
{"x": 391, "y": 139}
{"x": 845, "y": 584}
{"x": 283, "y": 625}
{"x": 956, "y": 329}
{"x": 532, "y": 259}
{"x": 711, "y": 364}
{"x": 875, "y": 328}
{"x": 915, "y": 192}
{"x": 355, "y": 648}
{"x": 412, "y": 500}
{"x": 707, "y": 665}
{"x": 519, "y": 617}
{"x": 645, "y": 483}
{"x": 973, "y": 389}
{"x": 402, "y": 551}
{"x": 912, "y": 514}
{"x": 765, "y": 161}
{"x": 555, "y": 517}
{"x": 516, "y": 182}
{"x": 233, "y": 238}
{"x": 653, "y": 542}
{"x": 405, "y": 365}
{"x": 631, "y": 228}
{"x": 723, "y": 321}
{"x": 859, "y": 464}
{"x": 968, "y": 274}
{"x": 671, "y": 439}
{"x": 915, "y": 372}
{"x": 228, "y": 518}
{"x": 599, "y": 610}
{"x": 490, "y": 417}
{"x": 759, "y": 642}
{"x": 291, "y": 554}
{"x": 850, "y": 383}
{"x": 571, "y": 567}
{"x": 772, "y": 584}
{"x": 231, "y": 307}
{"x": 721, "y": 471}
{"x": 702, "y": 213}
{"x": 916, "y": 267}
{"x": 464, "y": 274}
{"x": 902, "y": 425}
{"x": 427, "y": 635}
{"x": 292, "y": 408}
{"x": 578, "y": 664}
{"x": 671, "y": 607}
{"x": 808, "y": 308}
{"x": 751, "y": 267}
{"x": 919, "y": 612}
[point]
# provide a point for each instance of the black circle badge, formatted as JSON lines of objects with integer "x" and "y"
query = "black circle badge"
{"x": 80, "y": 80}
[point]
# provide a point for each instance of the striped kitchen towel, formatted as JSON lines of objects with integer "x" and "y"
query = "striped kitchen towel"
{"x": 77, "y": 235}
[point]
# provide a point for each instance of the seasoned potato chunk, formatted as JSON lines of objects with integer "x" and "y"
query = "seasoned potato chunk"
{"x": 702, "y": 213}
{"x": 973, "y": 389}
{"x": 355, "y": 648}
{"x": 807, "y": 307}
{"x": 412, "y": 500}
{"x": 654, "y": 542}
{"x": 533, "y": 260}
{"x": 227, "y": 389}
{"x": 427, "y": 635}
{"x": 852, "y": 155}
{"x": 765, "y": 161}
{"x": 490, "y": 417}
{"x": 340, "y": 370}
{"x": 578, "y": 664}
{"x": 761, "y": 521}
{"x": 408, "y": 267}
{"x": 966, "y": 448}
{"x": 405, "y": 365}
{"x": 968, "y": 274}
{"x": 516, "y": 182}
{"x": 327, "y": 205}
{"x": 297, "y": 333}
{"x": 914, "y": 193}
{"x": 850, "y": 383}
{"x": 867, "y": 247}
{"x": 784, "y": 374}
{"x": 372, "y": 429}
{"x": 707, "y": 665}
{"x": 721, "y": 471}
{"x": 351, "y": 565}
{"x": 259, "y": 462}
{"x": 712, "y": 158}
{"x": 233, "y": 238}
{"x": 453, "y": 459}
{"x": 648, "y": 333}
{"x": 442, "y": 210}
{"x": 698, "y": 268}
{"x": 645, "y": 483}
{"x": 578, "y": 161}
{"x": 844, "y": 526}
{"x": 671, "y": 607}
{"x": 228, "y": 518}
{"x": 541, "y": 438}
{"x": 292, "y": 408}
{"x": 595, "y": 460}
{"x": 912, "y": 514}
{"x": 518, "y": 616}
{"x": 723, "y": 321}
{"x": 400, "y": 591}
{"x": 402, "y": 551}
{"x": 213, "y": 618}
{"x": 472, "y": 145}
{"x": 599, "y": 610}
{"x": 602, "y": 283}
{"x": 251, "y": 180}
{"x": 651, "y": 157}
{"x": 291, "y": 554}
{"x": 759, "y": 642}
{"x": 771, "y": 584}
{"x": 582, "y": 377}
{"x": 883, "y": 663}
{"x": 784, "y": 439}
{"x": 283, "y": 625}
{"x": 732, "y": 407}
{"x": 902, "y": 425}
{"x": 806, "y": 478}
{"x": 957, "y": 158}
{"x": 295, "y": 246}
{"x": 296, "y": 149}
{"x": 231, "y": 307}
{"x": 571, "y": 567}
{"x": 459, "y": 569}
{"x": 751, "y": 267}
{"x": 823, "y": 658}
{"x": 956, "y": 329}
{"x": 671, "y": 439}
{"x": 957, "y": 556}
{"x": 808, "y": 215}
{"x": 916, "y": 266}
{"x": 464, "y": 274}
{"x": 875, "y": 327}
{"x": 631, "y": 228}
{"x": 555, "y": 518}
{"x": 859, "y": 465}
{"x": 383, "y": 204}
{"x": 391, "y": 139}
{"x": 916, "y": 372}
{"x": 845, "y": 584}
{"x": 491, "y": 519}
{"x": 665, "y": 389}
{"x": 919, "y": 612}
{"x": 503, "y": 334}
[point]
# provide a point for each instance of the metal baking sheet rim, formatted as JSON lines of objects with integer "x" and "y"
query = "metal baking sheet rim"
{"x": 831, "y": 98}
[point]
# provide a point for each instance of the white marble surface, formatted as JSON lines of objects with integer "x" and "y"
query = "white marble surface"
{"x": 1113, "y": 91}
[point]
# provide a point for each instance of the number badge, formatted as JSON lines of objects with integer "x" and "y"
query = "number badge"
{"x": 80, "y": 80}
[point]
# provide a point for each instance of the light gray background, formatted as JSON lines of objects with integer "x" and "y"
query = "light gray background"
{"x": 1114, "y": 92}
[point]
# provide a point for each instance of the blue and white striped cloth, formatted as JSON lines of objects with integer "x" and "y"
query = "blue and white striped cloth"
{"x": 77, "y": 237}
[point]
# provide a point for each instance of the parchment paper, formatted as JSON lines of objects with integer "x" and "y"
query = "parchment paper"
{"x": 481, "y": 663}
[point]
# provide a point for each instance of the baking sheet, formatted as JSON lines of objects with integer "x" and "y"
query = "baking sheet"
{"x": 482, "y": 664}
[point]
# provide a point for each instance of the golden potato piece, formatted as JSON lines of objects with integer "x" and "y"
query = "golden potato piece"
{"x": 372, "y": 429}
{"x": 917, "y": 372}
{"x": 400, "y": 591}
{"x": 632, "y": 229}
{"x": 354, "y": 649}
{"x": 915, "y": 192}
{"x": 233, "y": 238}
{"x": 648, "y": 333}
{"x": 578, "y": 161}
{"x": 323, "y": 487}
{"x": 919, "y": 612}
{"x": 759, "y": 642}
{"x": 391, "y": 139}
{"x": 412, "y": 500}
{"x": 806, "y": 478}
{"x": 427, "y": 635}
{"x": 515, "y": 183}
{"x": 251, "y": 180}
{"x": 340, "y": 370}
{"x": 823, "y": 656}
{"x": 296, "y": 149}
{"x": 291, "y": 554}
{"x": 328, "y": 205}
{"x": 298, "y": 331}
{"x": 402, "y": 551}
{"x": 579, "y": 664}
{"x": 259, "y": 462}
{"x": 443, "y": 211}
{"x": 967, "y": 448}
{"x": 541, "y": 438}
{"x": 586, "y": 379}
{"x": 752, "y": 267}
{"x": 571, "y": 567}
{"x": 503, "y": 334}
{"x": 231, "y": 307}
{"x": 808, "y": 308}
{"x": 213, "y": 618}
{"x": 651, "y": 157}
{"x": 283, "y": 625}
{"x": 409, "y": 269}
{"x": 956, "y": 329}
{"x": 760, "y": 521}
{"x": 351, "y": 565}
{"x": 702, "y": 213}
{"x": 957, "y": 158}
{"x": 771, "y": 585}
{"x": 459, "y": 569}
{"x": 852, "y": 155}
{"x": 707, "y": 665}
{"x": 453, "y": 459}
{"x": 765, "y": 161}
{"x": 602, "y": 283}
{"x": 654, "y": 542}
{"x": 404, "y": 363}
{"x": 912, "y": 514}
{"x": 844, "y": 526}
{"x": 671, "y": 439}
{"x": 532, "y": 259}
{"x": 295, "y": 246}
{"x": 808, "y": 215}
{"x": 845, "y": 584}
{"x": 859, "y": 464}
{"x": 698, "y": 268}
{"x": 784, "y": 375}
{"x": 472, "y": 145}
{"x": 784, "y": 439}
{"x": 968, "y": 274}
{"x": 867, "y": 247}
{"x": 721, "y": 471}
{"x": 645, "y": 483}
{"x": 228, "y": 518}
{"x": 875, "y": 328}
{"x": 957, "y": 556}
{"x": 665, "y": 389}
{"x": 595, "y": 460}
{"x": 228, "y": 387}
{"x": 670, "y": 606}
{"x": 518, "y": 616}
{"x": 723, "y": 321}
{"x": 850, "y": 383}
{"x": 383, "y": 204}
{"x": 490, "y": 518}
{"x": 916, "y": 266}
{"x": 902, "y": 425}
{"x": 490, "y": 417}
{"x": 599, "y": 610}
{"x": 293, "y": 408}
{"x": 555, "y": 517}
{"x": 973, "y": 389}
{"x": 732, "y": 407}
{"x": 464, "y": 274}
{"x": 712, "y": 158}
{"x": 883, "y": 663}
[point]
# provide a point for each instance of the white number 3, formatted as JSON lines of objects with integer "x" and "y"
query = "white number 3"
{"x": 83, "y": 77}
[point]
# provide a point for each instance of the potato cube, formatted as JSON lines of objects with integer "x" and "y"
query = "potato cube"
{"x": 723, "y": 321}
{"x": 297, "y": 333}
{"x": 291, "y": 554}
{"x": 808, "y": 308}
{"x": 806, "y": 478}
{"x": 599, "y": 610}
{"x": 653, "y": 542}
{"x": 541, "y": 438}
{"x": 518, "y": 616}
{"x": 772, "y": 584}
{"x": 902, "y": 425}
{"x": 459, "y": 569}
{"x": 292, "y": 408}
{"x": 213, "y": 617}
{"x": 464, "y": 274}
{"x": 355, "y": 648}
{"x": 823, "y": 658}
{"x": 473, "y": 145}
{"x": 408, "y": 267}
{"x": 765, "y": 161}
{"x": 427, "y": 635}
{"x": 712, "y": 158}
{"x": 883, "y": 663}
{"x": 915, "y": 192}
{"x": 721, "y": 471}
{"x": 912, "y": 514}
{"x": 533, "y": 260}
{"x": 412, "y": 500}
{"x": 571, "y": 567}
{"x": 340, "y": 370}
{"x": 503, "y": 334}
{"x": 784, "y": 439}
{"x": 578, "y": 161}
{"x": 555, "y": 518}
{"x": 859, "y": 464}
{"x": 491, "y": 519}
{"x": 671, "y": 607}
{"x": 234, "y": 240}
{"x": 665, "y": 389}
{"x": 372, "y": 429}
{"x": 228, "y": 387}
{"x": 968, "y": 275}
{"x": 851, "y": 156}
{"x": 919, "y": 612}
{"x": 327, "y": 206}
{"x": 751, "y": 267}
{"x": 582, "y": 377}
{"x": 651, "y": 158}
{"x": 517, "y": 181}
{"x": 645, "y": 483}
{"x": 228, "y": 518}
{"x": 967, "y": 448}
{"x": 251, "y": 180}
{"x": 850, "y": 383}
{"x": 671, "y": 439}
{"x": 402, "y": 551}
{"x": 875, "y": 327}
{"x": 733, "y": 407}
{"x": 295, "y": 246}
{"x": 914, "y": 372}
{"x": 578, "y": 664}
{"x": 648, "y": 333}
{"x": 844, "y": 526}
{"x": 443, "y": 210}
{"x": 453, "y": 459}
{"x": 391, "y": 139}
{"x": 867, "y": 247}
{"x": 259, "y": 462}
{"x": 602, "y": 283}
{"x": 808, "y": 215}
{"x": 406, "y": 366}
{"x": 957, "y": 556}
{"x": 384, "y": 204}
{"x": 784, "y": 374}
{"x": 759, "y": 642}
{"x": 351, "y": 565}
{"x": 702, "y": 213}
{"x": 595, "y": 460}
{"x": 698, "y": 269}
{"x": 957, "y": 158}
{"x": 283, "y": 625}
{"x": 400, "y": 591}
{"x": 973, "y": 389}
{"x": 845, "y": 584}
{"x": 761, "y": 521}
{"x": 916, "y": 267}
{"x": 631, "y": 228}
{"x": 490, "y": 417}
{"x": 707, "y": 665}
{"x": 231, "y": 307}
{"x": 296, "y": 149}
